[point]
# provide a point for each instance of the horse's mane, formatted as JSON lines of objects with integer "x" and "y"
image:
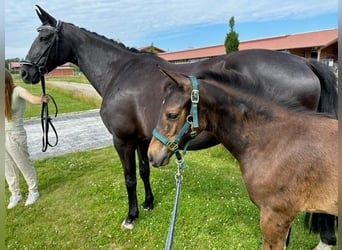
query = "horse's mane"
{"x": 258, "y": 90}
{"x": 113, "y": 42}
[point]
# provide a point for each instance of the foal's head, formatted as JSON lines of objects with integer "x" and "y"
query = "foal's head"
{"x": 176, "y": 117}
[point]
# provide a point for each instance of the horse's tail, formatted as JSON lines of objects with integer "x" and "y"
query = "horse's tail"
{"x": 328, "y": 102}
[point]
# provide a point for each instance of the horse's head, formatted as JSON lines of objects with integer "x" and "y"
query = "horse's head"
{"x": 178, "y": 120}
{"x": 43, "y": 55}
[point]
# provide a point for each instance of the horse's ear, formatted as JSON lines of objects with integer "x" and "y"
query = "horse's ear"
{"x": 45, "y": 17}
{"x": 180, "y": 79}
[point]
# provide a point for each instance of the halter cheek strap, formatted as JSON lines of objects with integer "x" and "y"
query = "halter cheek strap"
{"x": 46, "y": 120}
{"x": 194, "y": 100}
{"x": 191, "y": 123}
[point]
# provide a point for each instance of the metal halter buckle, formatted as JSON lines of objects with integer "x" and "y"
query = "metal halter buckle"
{"x": 173, "y": 146}
{"x": 195, "y": 96}
{"x": 193, "y": 132}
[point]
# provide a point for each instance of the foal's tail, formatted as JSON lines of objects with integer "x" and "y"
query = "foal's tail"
{"x": 328, "y": 102}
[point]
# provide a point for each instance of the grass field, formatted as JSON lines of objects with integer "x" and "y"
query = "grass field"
{"x": 83, "y": 203}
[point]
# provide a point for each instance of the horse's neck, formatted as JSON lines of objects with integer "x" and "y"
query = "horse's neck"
{"x": 97, "y": 58}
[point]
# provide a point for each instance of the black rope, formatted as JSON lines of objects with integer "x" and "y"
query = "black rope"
{"x": 46, "y": 120}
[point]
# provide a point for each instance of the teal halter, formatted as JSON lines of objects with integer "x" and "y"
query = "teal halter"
{"x": 191, "y": 123}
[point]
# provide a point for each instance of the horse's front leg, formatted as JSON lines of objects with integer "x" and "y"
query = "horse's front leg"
{"x": 144, "y": 167}
{"x": 126, "y": 152}
{"x": 275, "y": 228}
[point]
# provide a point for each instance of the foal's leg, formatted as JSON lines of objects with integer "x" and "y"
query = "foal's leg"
{"x": 144, "y": 166}
{"x": 275, "y": 227}
{"x": 288, "y": 237}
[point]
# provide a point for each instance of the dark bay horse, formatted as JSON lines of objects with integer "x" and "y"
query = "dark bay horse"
{"x": 288, "y": 158}
{"x": 132, "y": 87}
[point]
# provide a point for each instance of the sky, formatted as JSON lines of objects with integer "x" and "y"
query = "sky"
{"x": 171, "y": 25}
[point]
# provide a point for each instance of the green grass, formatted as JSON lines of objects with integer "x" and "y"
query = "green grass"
{"x": 77, "y": 79}
{"x": 83, "y": 203}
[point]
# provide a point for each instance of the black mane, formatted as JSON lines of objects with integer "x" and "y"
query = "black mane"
{"x": 113, "y": 42}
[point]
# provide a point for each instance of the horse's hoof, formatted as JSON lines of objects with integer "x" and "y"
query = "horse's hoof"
{"x": 322, "y": 246}
{"x": 147, "y": 208}
{"x": 127, "y": 225}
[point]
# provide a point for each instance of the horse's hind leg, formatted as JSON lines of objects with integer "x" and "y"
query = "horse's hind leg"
{"x": 144, "y": 167}
{"x": 324, "y": 224}
{"x": 326, "y": 228}
{"x": 275, "y": 228}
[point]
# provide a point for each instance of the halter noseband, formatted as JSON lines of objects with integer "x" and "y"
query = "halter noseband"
{"x": 191, "y": 123}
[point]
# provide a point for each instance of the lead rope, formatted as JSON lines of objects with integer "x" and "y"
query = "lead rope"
{"x": 192, "y": 123}
{"x": 179, "y": 178}
{"x": 46, "y": 120}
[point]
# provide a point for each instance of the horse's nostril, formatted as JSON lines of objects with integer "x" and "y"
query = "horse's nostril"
{"x": 23, "y": 73}
{"x": 150, "y": 157}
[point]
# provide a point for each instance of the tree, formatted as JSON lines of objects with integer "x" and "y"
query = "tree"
{"x": 75, "y": 67}
{"x": 232, "y": 39}
{"x": 152, "y": 49}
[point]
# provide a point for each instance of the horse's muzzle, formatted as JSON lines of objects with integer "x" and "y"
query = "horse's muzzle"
{"x": 29, "y": 74}
{"x": 159, "y": 156}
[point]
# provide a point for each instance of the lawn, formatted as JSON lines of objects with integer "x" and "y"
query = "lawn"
{"x": 83, "y": 203}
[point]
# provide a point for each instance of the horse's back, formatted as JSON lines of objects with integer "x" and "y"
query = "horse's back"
{"x": 273, "y": 66}
{"x": 258, "y": 58}
{"x": 278, "y": 72}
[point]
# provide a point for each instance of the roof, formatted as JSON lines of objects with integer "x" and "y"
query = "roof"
{"x": 149, "y": 48}
{"x": 17, "y": 65}
{"x": 322, "y": 38}
{"x": 64, "y": 66}
{"x": 14, "y": 65}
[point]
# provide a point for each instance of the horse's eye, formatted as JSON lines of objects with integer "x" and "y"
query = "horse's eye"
{"x": 172, "y": 116}
{"x": 43, "y": 38}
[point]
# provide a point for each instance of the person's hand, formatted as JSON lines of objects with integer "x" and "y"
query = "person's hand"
{"x": 45, "y": 99}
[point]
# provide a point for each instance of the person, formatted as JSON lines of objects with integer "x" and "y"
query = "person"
{"x": 16, "y": 151}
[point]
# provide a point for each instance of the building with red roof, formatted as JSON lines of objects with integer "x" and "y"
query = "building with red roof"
{"x": 322, "y": 45}
{"x": 64, "y": 70}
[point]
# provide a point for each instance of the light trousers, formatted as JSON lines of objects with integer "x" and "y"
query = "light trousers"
{"x": 17, "y": 160}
